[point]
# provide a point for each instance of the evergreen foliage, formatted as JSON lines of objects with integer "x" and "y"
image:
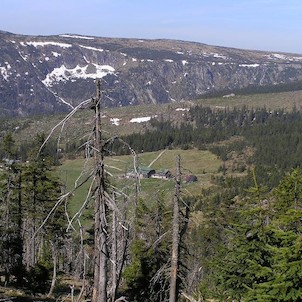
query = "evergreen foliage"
{"x": 147, "y": 277}
{"x": 262, "y": 258}
{"x": 28, "y": 192}
{"x": 244, "y": 244}
{"x": 11, "y": 243}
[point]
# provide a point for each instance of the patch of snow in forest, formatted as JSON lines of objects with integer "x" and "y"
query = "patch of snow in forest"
{"x": 184, "y": 62}
{"x": 182, "y": 109}
{"x": 141, "y": 119}
{"x": 115, "y": 121}
{"x": 169, "y": 60}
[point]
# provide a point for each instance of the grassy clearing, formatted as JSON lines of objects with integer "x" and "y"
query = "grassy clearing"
{"x": 201, "y": 163}
{"x": 69, "y": 172}
{"x": 273, "y": 101}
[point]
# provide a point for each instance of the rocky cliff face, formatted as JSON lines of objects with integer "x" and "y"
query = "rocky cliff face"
{"x": 46, "y": 74}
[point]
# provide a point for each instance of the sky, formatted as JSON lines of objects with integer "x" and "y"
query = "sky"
{"x": 272, "y": 25}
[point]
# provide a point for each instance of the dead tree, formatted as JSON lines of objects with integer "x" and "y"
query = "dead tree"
{"x": 175, "y": 236}
{"x": 114, "y": 254}
{"x": 100, "y": 211}
{"x": 103, "y": 205}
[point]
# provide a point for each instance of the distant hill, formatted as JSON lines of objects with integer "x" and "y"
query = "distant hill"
{"x": 50, "y": 74}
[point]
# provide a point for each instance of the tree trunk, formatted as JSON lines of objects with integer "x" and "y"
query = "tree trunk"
{"x": 100, "y": 213}
{"x": 114, "y": 255}
{"x": 54, "y": 272}
{"x": 175, "y": 236}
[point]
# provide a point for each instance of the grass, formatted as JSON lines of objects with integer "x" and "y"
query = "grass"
{"x": 69, "y": 172}
{"x": 201, "y": 163}
{"x": 272, "y": 101}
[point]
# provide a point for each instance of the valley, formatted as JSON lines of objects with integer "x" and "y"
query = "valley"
{"x": 239, "y": 182}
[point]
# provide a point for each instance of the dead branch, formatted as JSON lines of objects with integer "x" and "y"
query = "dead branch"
{"x": 80, "y": 211}
{"x": 62, "y": 122}
{"x": 190, "y": 298}
{"x": 58, "y": 203}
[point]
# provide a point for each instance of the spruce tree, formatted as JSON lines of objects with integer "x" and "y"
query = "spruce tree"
{"x": 11, "y": 213}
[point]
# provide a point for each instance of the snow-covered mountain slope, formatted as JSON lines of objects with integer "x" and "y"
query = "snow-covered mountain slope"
{"x": 46, "y": 74}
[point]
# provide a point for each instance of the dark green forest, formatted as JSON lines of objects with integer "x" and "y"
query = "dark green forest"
{"x": 240, "y": 239}
{"x": 274, "y": 136}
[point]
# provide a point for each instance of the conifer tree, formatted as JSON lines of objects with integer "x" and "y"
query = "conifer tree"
{"x": 285, "y": 281}
{"x": 41, "y": 190}
{"x": 10, "y": 213}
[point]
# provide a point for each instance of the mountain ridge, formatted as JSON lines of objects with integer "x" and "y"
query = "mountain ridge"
{"x": 49, "y": 74}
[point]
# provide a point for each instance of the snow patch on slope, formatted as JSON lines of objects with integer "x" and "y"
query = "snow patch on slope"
{"x": 64, "y": 74}
{"x": 92, "y": 48}
{"x": 115, "y": 121}
{"x": 77, "y": 37}
{"x": 141, "y": 119}
{"x": 56, "y": 54}
{"x": 5, "y": 71}
{"x": 283, "y": 57}
{"x": 249, "y": 65}
{"x": 47, "y": 43}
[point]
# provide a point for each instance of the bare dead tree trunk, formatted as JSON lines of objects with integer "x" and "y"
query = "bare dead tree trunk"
{"x": 100, "y": 213}
{"x": 122, "y": 242}
{"x": 114, "y": 255}
{"x": 82, "y": 292}
{"x": 54, "y": 272}
{"x": 175, "y": 236}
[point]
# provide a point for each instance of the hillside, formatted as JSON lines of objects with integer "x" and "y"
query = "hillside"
{"x": 220, "y": 141}
{"x": 51, "y": 74}
{"x": 125, "y": 120}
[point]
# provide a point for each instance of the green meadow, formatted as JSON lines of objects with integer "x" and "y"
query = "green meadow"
{"x": 203, "y": 164}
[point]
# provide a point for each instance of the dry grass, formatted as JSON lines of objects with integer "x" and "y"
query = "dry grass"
{"x": 272, "y": 101}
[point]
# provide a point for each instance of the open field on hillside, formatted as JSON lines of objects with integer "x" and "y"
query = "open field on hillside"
{"x": 203, "y": 164}
{"x": 273, "y": 101}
